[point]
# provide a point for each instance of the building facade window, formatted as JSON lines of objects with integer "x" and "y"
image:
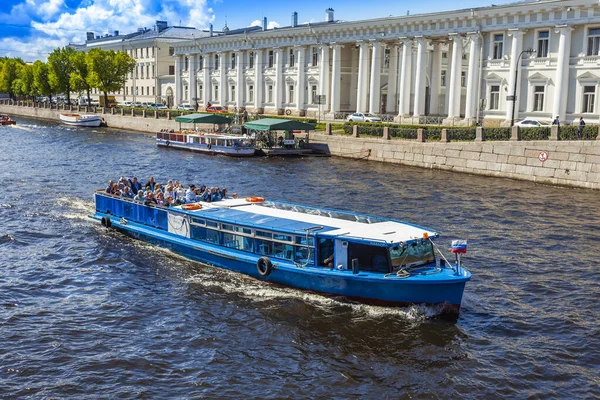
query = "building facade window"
{"x": 270, "y": 58}
{"x": 186, "y": 64}
{"x": 232, "y": 60}
{"x": 589, "y": 98}
{"x": 292, "y": 58}
{"x": 171, "y": 70}
{"x": 201, "y": 62}
{"x": 251, "y": 93}
{"x": 126, "y": 90}
{"x": 291, "y": 94}
{"x": 538, "y": 98}
{"x": 498, "y": 47}
{"x": 216, "y": 92}
{"x": 463, "y": 78}
{"x": 313, "y": 94}
{"x": 153, "y": 91}
{"x": 270, "y": 94}
{"x": 216, "y": 61}
{"x": 153, "y": 71}
{"x": 386, "y": 58}
{"x": 200, "y": 94}
{"x": 495, "y": 97}
{"x": 251, "y": 60}
{"x": 443, "y": 78}
{"x": 542, "y": 49}
{"x": 137, "y": 72}
{"x": 593, "y": 42}
{"x": 142, "y": 71}
{"x": 142, "y": 90}
{"x": 232, "y": 92}
{"x": 148, "y": 90}
{"x": 147, "y": 71}
{"x": 315, "y": 56}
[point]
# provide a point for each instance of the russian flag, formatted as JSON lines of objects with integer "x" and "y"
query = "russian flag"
{"x": 459, "y": 246}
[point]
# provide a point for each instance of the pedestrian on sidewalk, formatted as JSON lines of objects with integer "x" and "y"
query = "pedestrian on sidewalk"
{"x": 580, "y": 128}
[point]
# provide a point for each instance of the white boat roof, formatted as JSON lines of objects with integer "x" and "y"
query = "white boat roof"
{"x": 387, "y": 231}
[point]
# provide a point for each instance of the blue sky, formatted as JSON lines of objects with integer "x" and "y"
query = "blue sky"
{"x": 30, "y": 29}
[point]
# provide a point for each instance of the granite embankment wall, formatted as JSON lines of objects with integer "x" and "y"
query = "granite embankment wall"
{"x": 568, "y": 163}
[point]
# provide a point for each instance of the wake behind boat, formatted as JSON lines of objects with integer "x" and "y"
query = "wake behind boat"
{"x": 81, "y": 119}
{"x": 366, "y": 258}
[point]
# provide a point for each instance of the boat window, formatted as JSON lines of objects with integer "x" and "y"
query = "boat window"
{"x": 212, "y": 224}
{"x": 246, "y": 231}
{"x": 227, "y": 227}
{"x": 282, "y": 237}
{"x": 303, "y": 254}
{"x": 264, "y": 247}
{"x": 205, "y": 235}
{"x": 198, "y": 221}
{"x": 285, "y": 251}
{"x": 264, "y": 234}
{"x": 412, "y": 254}
{"x": 370, "y": 258}
{"x": 325, "y": 250}
{"x": 302, "y": 240}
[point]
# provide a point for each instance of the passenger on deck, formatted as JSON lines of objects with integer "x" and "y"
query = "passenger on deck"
{"x": 160, "y": 199}
{"x": 157, "y": 188}
{"x": 216, "y": 195}
{"x": 126, "y": 193}
{"x": 135, "y": 185}
{"x": 109, "y": 188}
{"x": 150, "y": 183}
{"x": 190, "y": 196}
{"x": 179, "y": 192}
{"x": 139, "y": 197}
{"x": 224, "y": 194}
{"x": 149, "y": 198}
{"x": 169, "y": 202}
{"x": 169, "y": 191}
{"x": 328, "y": 262}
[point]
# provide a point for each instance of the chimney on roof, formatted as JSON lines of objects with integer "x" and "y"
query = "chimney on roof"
{"x": 116, "y": 33}
{"x": 89, "y": 35}
{"x": 264, "y": 23}
{"x": 329, "y": 15}
{"x": 210, "y": 30}
{"x": 294, "y": 19}
{"x": 161, "y": 25}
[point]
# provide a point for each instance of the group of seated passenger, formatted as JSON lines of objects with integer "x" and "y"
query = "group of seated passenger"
{"x": 172, "y": 193}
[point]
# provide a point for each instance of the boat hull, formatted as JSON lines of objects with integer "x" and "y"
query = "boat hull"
{"x": 81, "y": 120}
{"x": 444, "y": 289}
{"x": 205, "y": 149}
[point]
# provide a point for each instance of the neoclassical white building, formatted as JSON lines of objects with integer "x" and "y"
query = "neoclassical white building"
{"x": 460, "y": 66}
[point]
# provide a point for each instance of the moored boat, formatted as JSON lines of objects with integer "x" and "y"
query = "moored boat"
{"x": 209, "y": 143}
{"x": 361, "y": 257}
{"x": 6, "y": 120}
{"x": 81, "y": 119}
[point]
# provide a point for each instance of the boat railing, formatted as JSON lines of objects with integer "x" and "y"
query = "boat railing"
{"x": 171, "y": 136}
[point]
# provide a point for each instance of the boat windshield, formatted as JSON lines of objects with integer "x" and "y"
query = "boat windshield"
{"x": 412, "y": 254}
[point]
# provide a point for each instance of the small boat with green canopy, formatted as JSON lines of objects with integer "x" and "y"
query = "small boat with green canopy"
{"x": 272, "y": 143}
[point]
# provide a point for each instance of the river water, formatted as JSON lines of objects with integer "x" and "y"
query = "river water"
{"x": 90, "y": 313}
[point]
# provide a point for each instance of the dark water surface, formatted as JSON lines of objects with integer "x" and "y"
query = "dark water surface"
{"x": 89, "y": 313}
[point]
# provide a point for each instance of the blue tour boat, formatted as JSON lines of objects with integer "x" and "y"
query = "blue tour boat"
{"x": 360, "y": 257}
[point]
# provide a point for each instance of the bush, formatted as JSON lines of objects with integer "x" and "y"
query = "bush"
{"x": 570, "y": 133}
{"x": 462, "y": 134}
{"x": 499, "y": 134}
{"x": 403, "y": 132}
{"x": 542, "y": 133}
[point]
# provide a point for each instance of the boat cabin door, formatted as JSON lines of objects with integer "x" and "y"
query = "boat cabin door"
{"x": 341, "y": 253}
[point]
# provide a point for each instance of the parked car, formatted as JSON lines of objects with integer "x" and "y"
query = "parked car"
{"x": 532, "y": 123}
{"x": 216, "y": 109}
{"x": 185, "y": 107}
{"x": 362, "y": 117}
{"x": 125, "y": 103}
{"x": 157, "y": 106}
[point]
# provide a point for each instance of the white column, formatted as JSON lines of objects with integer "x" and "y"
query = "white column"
{"x": 559, "y": 106}
{"x": 375, "y": 85}
{"x": 392, "y": 93}
{"x": 324, "y": 76}
{"x": 193, "y": 84}
{"x": 363, "y": 66}
{"x": 300, "y": 80}
{"x": 239, "y": 92}
{"x": 454, "y": 89}
{"x": 278, "y": 87}
{"x": 420, "y": 82}
{"x": 513, "y": 85}
{"x": 405, "y": 78}
{"x": 206, "y": 85}
{"x": 177, "y": 80}
{"x": 258, "y": 80}
{"x": 223, "y": 79}
{"x": 472, "y": 78}
{"x": 436, "y": 79}
{"x": 336, "y": 75}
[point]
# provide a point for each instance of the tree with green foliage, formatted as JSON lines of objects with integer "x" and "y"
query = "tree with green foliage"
{"x": 23, "y": 85}
{"x": 79, "y": 76}
{"x": 108, "y": 70}
{"x": 8, "y": 73}
{"x": 60, "y": 67}
{"x": 41, "y": 81}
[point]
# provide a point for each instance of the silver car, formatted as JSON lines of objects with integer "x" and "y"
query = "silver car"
{"x": 362, "y": 117}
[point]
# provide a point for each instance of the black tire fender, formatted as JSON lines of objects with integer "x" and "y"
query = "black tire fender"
{"x": 209, "y": 146}
{"x": 106, "y": 222}
{"x": 288, "y": 112}
{"x": 264, "y": 266}
{"x": 167, "y": 143}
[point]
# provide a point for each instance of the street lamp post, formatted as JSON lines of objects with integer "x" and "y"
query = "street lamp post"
{"x": 514, "y": 96}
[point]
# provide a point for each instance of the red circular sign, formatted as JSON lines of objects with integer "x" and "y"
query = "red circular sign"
{"x": 543, "y": 156}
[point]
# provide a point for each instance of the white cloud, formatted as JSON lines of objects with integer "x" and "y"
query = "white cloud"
{"x": 270, "y": 24}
